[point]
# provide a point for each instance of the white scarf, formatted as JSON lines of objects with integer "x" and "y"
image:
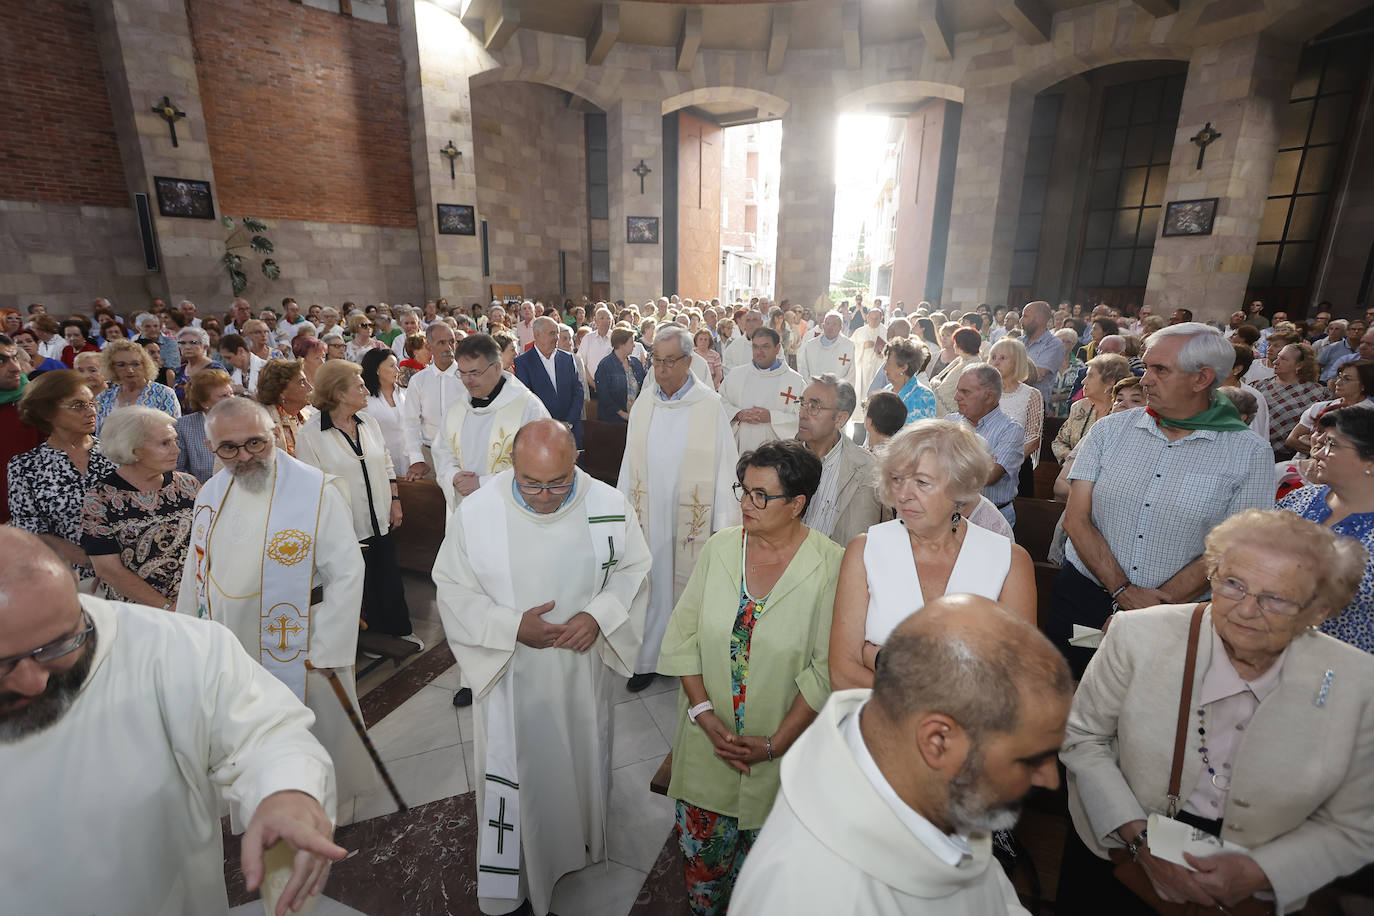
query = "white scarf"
{"x": 288, "y": 563}
{"x": 488, "y": 549}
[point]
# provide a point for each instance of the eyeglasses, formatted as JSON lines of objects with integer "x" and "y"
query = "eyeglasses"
{"x": 758, "y": 498}
{"x": 82, "y": 406}
{"x": 1235, "y": 590}
{"x": 476, "y": 373}
{"x": 815, "y": 406}
{"x": 254, "y": 446}
{"x": 666, "y": 361}
{"x": 53, "y": 650}
{"x": 1328, "y": 446}
{"x": 123, "y": 365}
{"x": 534, "y": 489}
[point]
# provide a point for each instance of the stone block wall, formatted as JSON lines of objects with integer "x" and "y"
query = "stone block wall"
{"x": 305, "y": 112}
{"x": 59, "y": 137}
{"x": 65, "y": 255}
{"x": 531, "y": 186}
{"x": 331, "y": 263}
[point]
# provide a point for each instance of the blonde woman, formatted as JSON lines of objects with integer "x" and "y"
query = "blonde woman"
{"x": 1104, "y": 371}
{"x": 360, "y": 326}
{"x": 1021, "y": 402}
{"x": 130, "y": 371}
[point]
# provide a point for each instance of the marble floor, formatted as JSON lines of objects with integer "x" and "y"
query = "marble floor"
{"x": 426, "y": 744}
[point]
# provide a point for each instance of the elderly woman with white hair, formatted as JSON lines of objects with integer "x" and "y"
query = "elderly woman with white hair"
{"x": 932, "y": 473}
{"x": 1222, "y": 754}
{"x": 136, "y": 520}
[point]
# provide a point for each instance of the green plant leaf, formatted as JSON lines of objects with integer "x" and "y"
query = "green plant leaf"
{"x": 232, "y": 261}
{"x": 261, "y": 244}
{"x": 270, "y": 269}
{"x": 227, "y": 222}
{"x": 254, "y": 225}
{"x": 239, "y": 281}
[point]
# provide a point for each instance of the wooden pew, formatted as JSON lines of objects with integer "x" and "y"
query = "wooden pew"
{"x": 422, "y": 525}
{"x": 1035, "y": 521}
{"x": 603, "y": 446}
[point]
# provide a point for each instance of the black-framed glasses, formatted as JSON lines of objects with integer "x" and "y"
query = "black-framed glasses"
{"x": 758, "y": 497}
{"x": 1236, "y": 590}
{"x": 477, "y": 373}
{"x": 52, "y": 651}
{"x": 254, "y": 446}
{"x": 814, "y": 406}
{"x": 536, "y": 489}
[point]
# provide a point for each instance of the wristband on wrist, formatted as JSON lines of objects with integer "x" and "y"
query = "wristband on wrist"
{"x": 703, "y": 706}
{"x": 769, "y": 746}
{"x": 1120, "y": 590}
{"x": 1134, "y": 846}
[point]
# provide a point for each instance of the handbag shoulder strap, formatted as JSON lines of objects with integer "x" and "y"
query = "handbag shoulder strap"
{"x": 1185, "y": 702}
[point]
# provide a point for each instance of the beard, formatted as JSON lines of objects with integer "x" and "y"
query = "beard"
{"x": 253, "y": 474}
{"x": 968, "y": 808}
{"x": 45, "y": 710}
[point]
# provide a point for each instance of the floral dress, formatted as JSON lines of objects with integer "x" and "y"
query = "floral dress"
{"x": 46, "y": 493}
{"x": 713, "y": 846}
{"x": 148, "y": 531}
{"x": 1355, "y": 624}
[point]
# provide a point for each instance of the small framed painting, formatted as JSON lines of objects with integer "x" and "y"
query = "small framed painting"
{"x": 457, "y": 219}
{"x": 184, "y": 197}
{"x": 641, "y": 230}
{"x": 1190, "y": 217}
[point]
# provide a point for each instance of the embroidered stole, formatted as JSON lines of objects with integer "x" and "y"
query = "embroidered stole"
{"x": 488, "y": 552}
{"x": 696, "y": 484}
{"x": 288, "y": 564}
{"x": 500, "y": 439}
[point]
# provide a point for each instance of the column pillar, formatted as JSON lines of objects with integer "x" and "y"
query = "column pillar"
{"x": 991, "y": 163}
{"x": 440, "y": 56}
{"x": 634, "y": 131}
{"x": 1241, "y": 86}
{"x": 806, "y": 205}
{"x": 146, "y": 52}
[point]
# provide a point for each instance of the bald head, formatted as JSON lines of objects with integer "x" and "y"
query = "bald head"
{"x": 1112, "y": 343}
{"x": 544, "y": 455}
{"x": 971, "y": 659}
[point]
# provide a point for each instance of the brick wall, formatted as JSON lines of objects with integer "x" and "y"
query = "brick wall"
{"x": 59, "y": 140}
{"x": 305, "y": 112}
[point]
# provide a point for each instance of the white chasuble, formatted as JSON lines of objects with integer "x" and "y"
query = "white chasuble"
{"x": 820, "y": 355}
{"x": 777, "y": 389}
{"x": 867, "y": 362}
{"x": 480, "y": 439}
{"x": 301, "y": 522}
{"x": 678, "y": 470}
{"x": 542, "y": 717}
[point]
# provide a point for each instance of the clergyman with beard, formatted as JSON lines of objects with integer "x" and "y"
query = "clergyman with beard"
{"x": 274, "y": 558}
{"x": 120, "y": 728}
{"x": 893, "y": 793}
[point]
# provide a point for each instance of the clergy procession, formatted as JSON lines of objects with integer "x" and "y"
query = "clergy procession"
{"x": 891, "y": 641}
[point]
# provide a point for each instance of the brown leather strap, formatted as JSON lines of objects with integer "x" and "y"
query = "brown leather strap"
{"x": 1185, "y": 702}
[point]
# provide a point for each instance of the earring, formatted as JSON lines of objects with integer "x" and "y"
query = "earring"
{"x": 954, "y": 521}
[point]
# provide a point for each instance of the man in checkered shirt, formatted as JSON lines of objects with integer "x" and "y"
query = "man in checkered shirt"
{"x": 1149, "y": 484}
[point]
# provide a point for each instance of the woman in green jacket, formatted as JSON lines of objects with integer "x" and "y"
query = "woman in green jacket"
{"x": 753, "y": 621}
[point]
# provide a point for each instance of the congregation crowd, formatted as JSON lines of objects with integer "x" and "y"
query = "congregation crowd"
{"x": 814, "y": 526}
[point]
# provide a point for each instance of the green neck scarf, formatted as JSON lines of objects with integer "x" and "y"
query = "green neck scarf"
{"x": 1220, "y": 415}
{"x": 9, "y": 397}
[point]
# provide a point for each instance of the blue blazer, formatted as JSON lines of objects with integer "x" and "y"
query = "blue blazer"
{"x": 566, "y": 403}
{"x": 611, "y": 390}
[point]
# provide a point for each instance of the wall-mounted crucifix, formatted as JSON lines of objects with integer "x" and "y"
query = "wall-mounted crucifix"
{"x": 171, "y": 114}
{"x": 1204, "y": 138}
{"x": 641, "y": 170}
{"x": 451, "y": 153}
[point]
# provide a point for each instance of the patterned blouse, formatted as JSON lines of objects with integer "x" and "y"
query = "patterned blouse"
{"x": 1061, "y": 392}
{"x": 1287, "y": 404}
{"x": 919, "y": 401}
{"x": 287, "y": 428}
{"x": 149, "y": 531}
{"x": 46, "y": 492}
{"x": 154, "y": 395}
{"x": 1355, "y": 624}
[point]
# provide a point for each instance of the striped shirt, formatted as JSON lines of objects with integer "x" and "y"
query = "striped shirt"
{"x": 1154, "y": 501}
{"x": 820, "y": 511}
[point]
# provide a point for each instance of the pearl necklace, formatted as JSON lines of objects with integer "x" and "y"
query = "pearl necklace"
{"x": 1225, "y": 776}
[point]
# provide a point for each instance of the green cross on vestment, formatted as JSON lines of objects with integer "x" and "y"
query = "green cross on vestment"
{"x": 501, "y": 827}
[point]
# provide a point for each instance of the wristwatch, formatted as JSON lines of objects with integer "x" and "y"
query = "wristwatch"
{"x": 703, "y": 706}
{"x": 1134, "y": 846}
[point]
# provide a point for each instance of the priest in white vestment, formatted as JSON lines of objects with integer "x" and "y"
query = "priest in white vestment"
{"x": 830, "y": 351}
{"x": 763, "y": 399}
{"x": 273, "y": 557}
{"x": 867, "y": 342}
{"x": 430, "y": 392}
{"x": 475, "y": 439}
{"x": 121, "y": 728}
{"x": 539, "y": 644}
{"x": 678, "y": 470}
{"x": 738, "y": 352}
{"x": 889, "y": 799}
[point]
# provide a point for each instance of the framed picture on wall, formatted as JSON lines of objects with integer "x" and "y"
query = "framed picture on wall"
{"x": 641, "y": 230}
{"x": 1190, "y": 217}
{"x": 457, "y": 219}
{"x": 184, "y": 197}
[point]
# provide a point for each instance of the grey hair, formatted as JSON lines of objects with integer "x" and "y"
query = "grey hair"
{"x": 233, "y": 409}
{"x": 845, "y": 398}
{"x": 986, "y": 376}
{"x": 1243, "y": 400}
{"x": 146, "y": 316}
{"x": 185, "y": 302}
{"x": 1203, "y": 346}
{"x": 429, "y": 331}
{"x": 677, "y": 332}
{"x": 201, "y": 335}
{"x": 129, "y": 428}
{"x": 1337, "y": 324}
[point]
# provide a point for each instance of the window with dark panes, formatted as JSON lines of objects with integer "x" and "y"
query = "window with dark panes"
{"x": 1039, "y": 155}
{"x": 1126, "y": 191}
{"x": 598, "y": 184}
{"x": 1311, "y": 142}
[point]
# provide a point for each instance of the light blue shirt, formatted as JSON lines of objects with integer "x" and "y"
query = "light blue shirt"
{"x": 1006, "y": 440}
{"x": 520, "y": 497}
{"x": 677, "y": 395}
